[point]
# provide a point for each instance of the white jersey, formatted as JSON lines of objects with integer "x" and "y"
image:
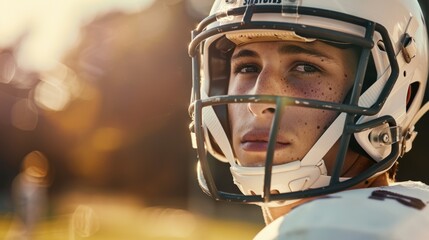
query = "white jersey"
{"x": 399, "y": 211}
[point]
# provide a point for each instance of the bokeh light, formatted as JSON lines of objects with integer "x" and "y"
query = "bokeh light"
{"x": 24, "y": 115}
{"x": 84, "y": 222}
{"x": 7, "y": 67}
{"x": 36, "y": 165}
{"x": 56, "y": 89}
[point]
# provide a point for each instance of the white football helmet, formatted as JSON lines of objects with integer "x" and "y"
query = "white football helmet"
{"x": 378, "y": 115}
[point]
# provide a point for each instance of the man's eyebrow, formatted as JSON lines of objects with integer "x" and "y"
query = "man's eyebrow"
{"x": 294, "y": 49}
{"x": 285, "y": 49}
{"x": 245, "y": 53}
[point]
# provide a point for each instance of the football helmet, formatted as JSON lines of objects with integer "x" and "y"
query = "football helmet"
{"x": 378, "y": 115}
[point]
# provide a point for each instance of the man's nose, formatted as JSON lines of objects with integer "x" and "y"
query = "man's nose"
{"x": 261, "y": 109}
{"x": 268, "y": 83}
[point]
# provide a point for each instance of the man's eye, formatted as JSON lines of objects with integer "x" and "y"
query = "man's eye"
{"x": 306, "y": 68}
{"x": 247, "y": 69}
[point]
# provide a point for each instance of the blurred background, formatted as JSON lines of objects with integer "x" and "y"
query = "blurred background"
{"x": 94, "y": 136}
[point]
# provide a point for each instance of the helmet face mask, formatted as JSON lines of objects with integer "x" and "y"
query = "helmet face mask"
{"x": 363, "y": 115}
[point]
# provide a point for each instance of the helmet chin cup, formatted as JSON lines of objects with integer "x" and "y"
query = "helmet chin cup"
{"x": 288, "y": 177}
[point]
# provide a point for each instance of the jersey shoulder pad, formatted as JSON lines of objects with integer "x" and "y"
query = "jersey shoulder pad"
{"x": 399, "y": 211}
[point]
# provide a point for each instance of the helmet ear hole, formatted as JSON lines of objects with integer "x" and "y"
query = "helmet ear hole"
{"x": 412, "y": 91}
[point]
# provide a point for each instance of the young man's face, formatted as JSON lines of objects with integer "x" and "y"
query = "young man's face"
{"x": 306, "y": 70}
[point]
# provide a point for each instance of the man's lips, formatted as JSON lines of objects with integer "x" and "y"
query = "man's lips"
{"x": 257, "y": 141}
{"x": 260, "y": 146}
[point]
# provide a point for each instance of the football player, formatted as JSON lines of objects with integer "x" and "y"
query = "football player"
{"x": 310, "y": 104}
